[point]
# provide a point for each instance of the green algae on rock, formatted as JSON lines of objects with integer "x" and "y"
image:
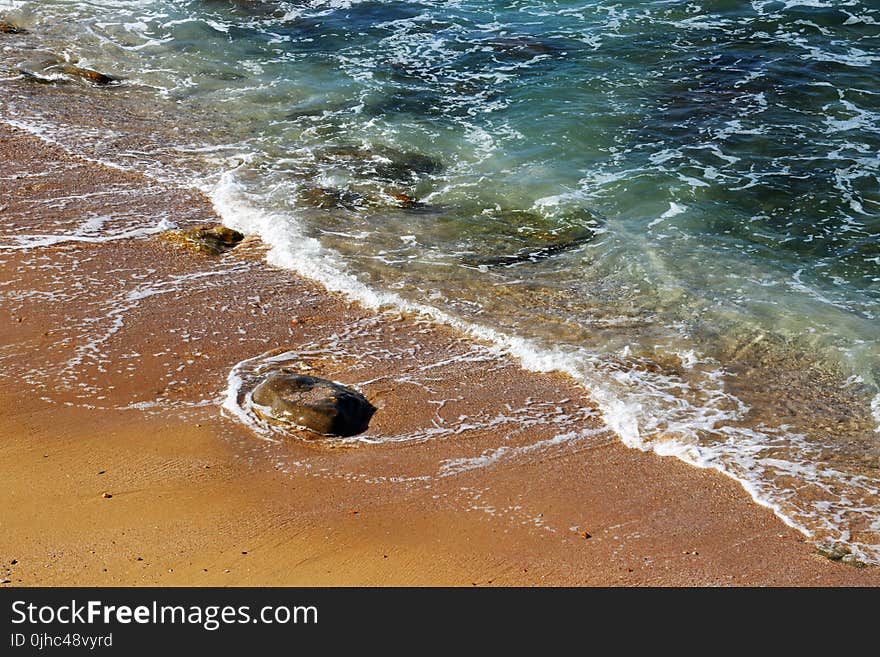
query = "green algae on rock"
{"x": 11, "y": 28}
{"x": 212, "y": 239}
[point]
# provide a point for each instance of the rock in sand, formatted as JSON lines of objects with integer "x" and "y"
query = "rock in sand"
{"x": 289, "y": 398}
{"x": 11, "y": 28}
{"x": 213, "y": 239}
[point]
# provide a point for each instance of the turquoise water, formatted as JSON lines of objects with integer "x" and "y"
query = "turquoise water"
{"x": 677, "y": 203}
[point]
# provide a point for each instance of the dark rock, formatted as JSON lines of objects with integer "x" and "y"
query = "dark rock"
{"x": 524, "y": 47}
{"x": 320, "y": 405}
{"x": 406, "y": 201}
{"x": 387, "y": 164}
{"x": 213, "y": 239}
{"x": 520, "y": 236}
{"x": 346, "y": 153}
{"x": 532, "y": 254}
{"x": 100, "y": 79}
{"x": 415, "y": 102}
{"x": 834, "y": 552}
{"x": 52, "y": 68}
{"x": 307, "y": 112}
{"x": 399, "y": 165}
{"x": 331, "y": 198}
{"x": 10, "y": 28}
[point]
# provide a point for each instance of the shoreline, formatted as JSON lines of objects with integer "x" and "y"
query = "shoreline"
{"x": 115, "y": 364}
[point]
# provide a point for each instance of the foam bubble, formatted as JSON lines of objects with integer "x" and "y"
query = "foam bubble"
{"x": 875, "y": 410}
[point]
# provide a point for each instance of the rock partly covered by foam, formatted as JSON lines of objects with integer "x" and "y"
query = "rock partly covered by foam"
{"x": 213, "y": 239}
{"x": 11, "y": 28}
{"x": 291, "y": 399}
{"x": 332, "y": 198}
{"x": 87, "y": 74}
{"x": 53, "y": 69}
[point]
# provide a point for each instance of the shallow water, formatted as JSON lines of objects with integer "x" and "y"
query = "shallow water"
{"x": 675, "y": 203}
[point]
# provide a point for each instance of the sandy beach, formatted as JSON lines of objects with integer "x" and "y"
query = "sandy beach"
{"x": 120, "y": 468}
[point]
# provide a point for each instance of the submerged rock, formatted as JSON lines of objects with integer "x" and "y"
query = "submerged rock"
{"x": 524, "y": 46}
{"x": 53, "y": 69}
{"x": 534, "y": 253}
{"x": 386, "y": 164}
{"x": 213, "y": 239}
{"x": 509, "y": 238}
{"x": 401, "y": 165}
{"x": 404, "y": 200}
{"x": 88, "y": 75}
{"x": 332, "y": 198}
{"x": 322, "y": 406}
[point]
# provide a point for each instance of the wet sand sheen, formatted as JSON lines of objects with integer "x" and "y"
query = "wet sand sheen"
{"x": 114, "y": 363}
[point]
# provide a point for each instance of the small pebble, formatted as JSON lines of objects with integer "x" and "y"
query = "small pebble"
{"x": 106, "y": 496}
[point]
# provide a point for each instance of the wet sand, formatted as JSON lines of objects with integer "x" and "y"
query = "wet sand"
{"x": 119, "y": 467}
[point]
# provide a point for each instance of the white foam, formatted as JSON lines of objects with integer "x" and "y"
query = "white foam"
{"x": 45, "y": 133}
{"x": 238, "y": 405}
{"x": 674, "y": 210}
{"x": 34, "y": 241}
{"x": 875, "y": 411}
{"x": 493, "y": 456}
